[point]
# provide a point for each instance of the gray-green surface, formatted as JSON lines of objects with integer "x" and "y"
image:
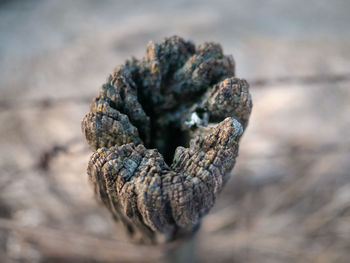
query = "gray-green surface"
{"x": 288, "y": 199}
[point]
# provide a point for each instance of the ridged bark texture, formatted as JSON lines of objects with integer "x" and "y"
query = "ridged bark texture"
{"x": 165, "y": 131}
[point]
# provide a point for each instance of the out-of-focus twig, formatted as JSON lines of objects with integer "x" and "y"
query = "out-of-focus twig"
{"x": 303, "y": 80}
{"x": 43, "y": 103}
{"x": 46, "y": 102}
{"x": 60, "y": 244}
{"x": 47, "y": 155}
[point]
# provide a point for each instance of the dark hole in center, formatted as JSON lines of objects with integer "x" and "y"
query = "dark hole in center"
{"x": 166, "y": 133}
{"x": 167, "y": 139}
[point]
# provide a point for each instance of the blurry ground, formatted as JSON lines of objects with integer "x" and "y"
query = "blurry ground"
{"x": 289, "y": 196}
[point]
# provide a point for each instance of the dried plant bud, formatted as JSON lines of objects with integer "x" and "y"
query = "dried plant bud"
{"x": 166, "y": 130}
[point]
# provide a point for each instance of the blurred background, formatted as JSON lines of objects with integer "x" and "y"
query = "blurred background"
{"x": 289, "y": 196}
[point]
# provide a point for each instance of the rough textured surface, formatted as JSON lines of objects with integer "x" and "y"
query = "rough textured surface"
{"x": 177, "y": 96}
{"x": 291, "y": 180}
